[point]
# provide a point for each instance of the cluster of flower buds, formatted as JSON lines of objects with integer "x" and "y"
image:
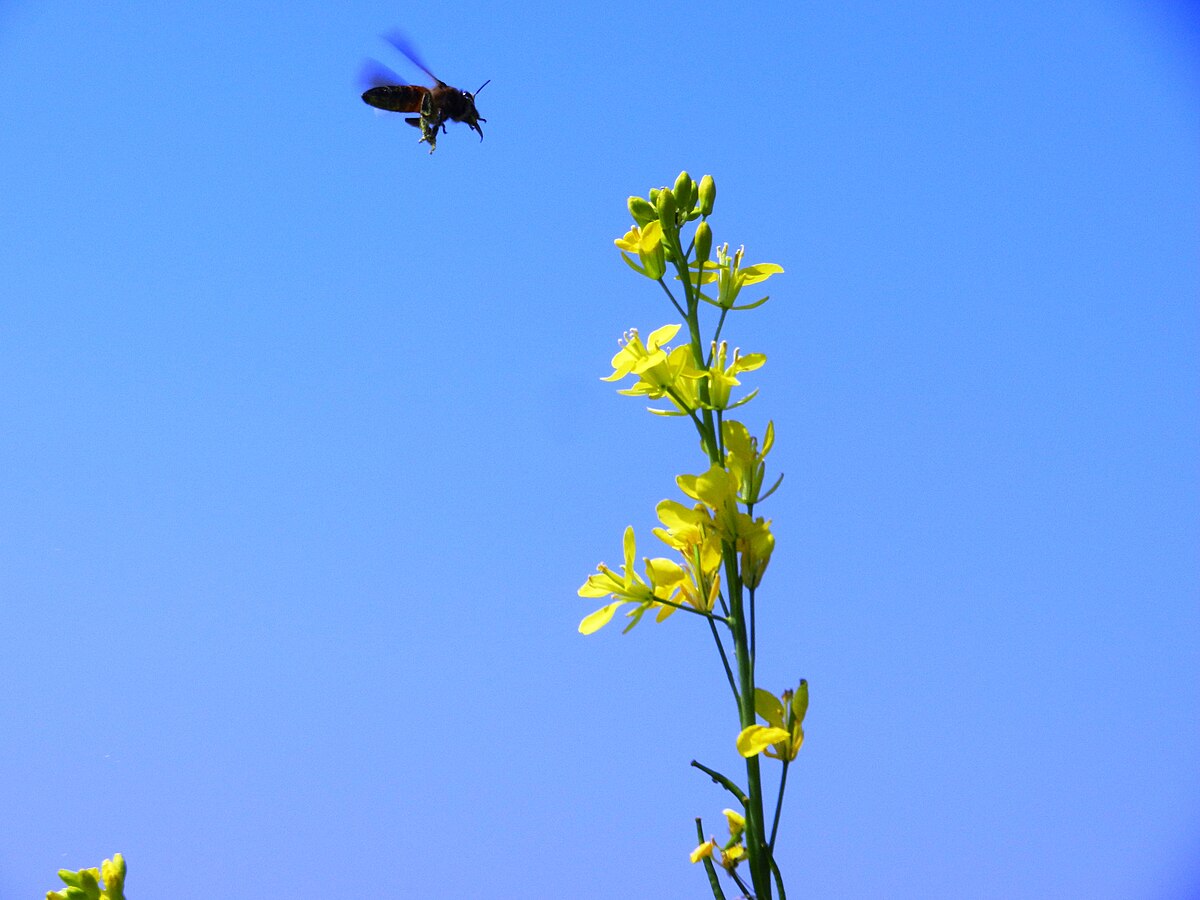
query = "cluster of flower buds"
{"x": 656, "y": 239}
{"x": 85, "y": 884}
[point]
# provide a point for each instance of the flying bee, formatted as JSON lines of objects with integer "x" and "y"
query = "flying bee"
{"x": 436, "y": 105}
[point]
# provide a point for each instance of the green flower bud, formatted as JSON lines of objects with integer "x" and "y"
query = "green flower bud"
{"x": 800, "y": 701}
{"x": 113, "y": 871}
{"x": 708, "y": 194}
{"x": 651, "y": 251}
{"x": 666, "y": 208}
{"x": 703, "y": 242}
{"x": 683, "y": 191}
{"x": 655, "y": 263}
{"x": 641, "y": 210}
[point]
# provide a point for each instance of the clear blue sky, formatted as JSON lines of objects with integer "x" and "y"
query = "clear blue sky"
{"x": 304, "y": 450}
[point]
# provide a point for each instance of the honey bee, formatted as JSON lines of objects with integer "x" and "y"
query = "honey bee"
{"x": 436, "y": 105}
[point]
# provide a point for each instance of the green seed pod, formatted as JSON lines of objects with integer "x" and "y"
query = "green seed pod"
{"x": 641, "y": 210}
{"x": 703, "y": 242}
{"x": 708, "y": 194}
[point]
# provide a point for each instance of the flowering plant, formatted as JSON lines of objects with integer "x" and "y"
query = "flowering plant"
{"x": 721, "y": 546}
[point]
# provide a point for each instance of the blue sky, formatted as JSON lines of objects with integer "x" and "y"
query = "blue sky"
{"x": 305, "y": 449}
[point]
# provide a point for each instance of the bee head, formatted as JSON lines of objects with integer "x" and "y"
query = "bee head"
{"x": 472, "y": 117}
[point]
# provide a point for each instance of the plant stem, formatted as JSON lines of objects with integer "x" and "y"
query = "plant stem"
{"x": 756, "y": 846}
{"x": 757, "y": 850}
{"x": 778, "y": 806}
{"x": 724, "y": 658}
{"x": 713, "y": 881}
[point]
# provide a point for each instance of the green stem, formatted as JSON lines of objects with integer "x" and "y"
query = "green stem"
{"x": 757, "y": 851}
{"x": 724, "y": 658}
{"x": 753, "y": 628}
{"x": 713, "y": 881}
{"x": 778, "y": 879}
{"x": 742, "y": 886}
{"x": 778, "y": 806}
{"x": 720, "y": 325}
{"x": 756, "y": 845}
{"x": 724, "y": 782}
{"x": 687, "y": 607}
{"x": 674, "y": 302}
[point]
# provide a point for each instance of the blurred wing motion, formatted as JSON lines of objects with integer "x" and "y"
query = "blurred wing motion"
{"x": 387, "y": 90}
{"x": 404, "y": 45}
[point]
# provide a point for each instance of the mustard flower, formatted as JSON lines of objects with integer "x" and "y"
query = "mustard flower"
{"x": 629, "y": 587}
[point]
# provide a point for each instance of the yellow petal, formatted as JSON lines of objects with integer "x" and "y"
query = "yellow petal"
{"x": 651, "y": 237}
{"x": 757, "y": 738}
{"x": 660, "y": 336}
{"x": 760, "y": 272}
{"x": 797, "y": 741}
{"x": 663, "y": 573}
{"x": 597, "y": 620}
{"x": 768, "y": 707}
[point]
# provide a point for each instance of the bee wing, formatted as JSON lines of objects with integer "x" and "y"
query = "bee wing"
{"x": 401, "y": 42}
{"x": 375, "y": 74}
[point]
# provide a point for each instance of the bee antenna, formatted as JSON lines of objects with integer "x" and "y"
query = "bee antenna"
{"x": 485, "y": 84}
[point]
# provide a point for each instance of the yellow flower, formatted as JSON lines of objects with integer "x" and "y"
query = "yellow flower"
{"x": 745, "y": 461}
{"x": 730, "y": 277}
{"x": 634, "y": 357}
{"x": 646, "y": 242}
{"x": 665, "y": 577}
{"x": 704, "y": 851}
{"x": 722, "y": 378}
{"x": 693, "y": 533}
{"x": 783, "y": 735}
{"x": 737, "y": 823}
{"x": 756, "y": 544}
{"x": 734, "y": 849}
{"x": 676, "y": 379}
{"x": 661, "y": 371}
{"x": 714, "y": 488}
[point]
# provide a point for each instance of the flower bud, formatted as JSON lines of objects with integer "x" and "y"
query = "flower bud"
{"x": 113, "y": 871}
{"x": 651, "y": 251}
{"x": 683, "y": 191}
{"x": 641, "y": 210}
{"x": 800, "y": 701}
{"x": 666, "y": 208}
{"x": 703, "y": 242}
{"x": 708, "y": 195}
